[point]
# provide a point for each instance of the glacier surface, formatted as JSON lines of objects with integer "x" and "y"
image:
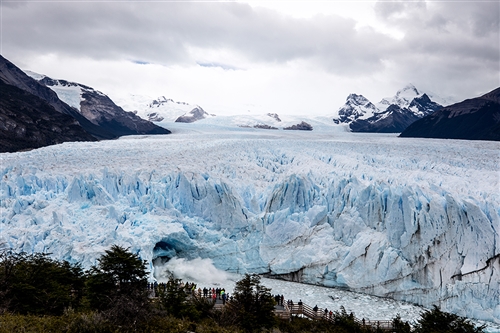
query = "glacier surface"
{"x": 416, "y": 220}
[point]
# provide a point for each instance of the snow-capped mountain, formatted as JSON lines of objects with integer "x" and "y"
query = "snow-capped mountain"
{"x": 162, "y": 110}
{"x": 69, "y": 92}
{"x": 423, "y": 106}
{"x": 165, "y": 111}
{"x": 416, "y": 221}
{"x": 98, "y": 108}
{"x": 390, "y": 115}
{"x": 271, "y": 121}
{"x": 194, "y": 115}
{"x": 356, "y": 106}
{"x": 403, "y": 98}
{"x": 412, "y": 99}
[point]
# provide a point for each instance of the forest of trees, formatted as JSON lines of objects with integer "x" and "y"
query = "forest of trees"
{"x": 40, "y": 294}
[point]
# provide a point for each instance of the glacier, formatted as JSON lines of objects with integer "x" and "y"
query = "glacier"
{"x": 415, "y": 220}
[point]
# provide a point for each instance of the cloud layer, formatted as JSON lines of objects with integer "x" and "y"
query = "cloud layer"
{"x": 446, "y": 46}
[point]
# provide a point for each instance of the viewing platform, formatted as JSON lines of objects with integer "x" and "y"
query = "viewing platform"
{"x": 286, "y": 311}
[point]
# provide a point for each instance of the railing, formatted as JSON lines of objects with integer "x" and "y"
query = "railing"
{"x": 283, "y": 313}
{"x": 305, "y": 310}
{"x": 320, "y": 314}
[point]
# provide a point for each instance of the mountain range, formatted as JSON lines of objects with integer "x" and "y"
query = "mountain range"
{"x": 390, "y": 115}
{"x": 165, "y": 111}
{"x": 36, "y": 110}
{"x": 162, "y": 110}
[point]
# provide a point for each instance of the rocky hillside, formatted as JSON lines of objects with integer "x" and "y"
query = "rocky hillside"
{"x": 473, "y": 119}
{"x": 12, "y": 75}
{"x": 28, "y": 121}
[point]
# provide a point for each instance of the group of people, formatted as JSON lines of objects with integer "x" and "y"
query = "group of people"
{"x": 214, "y": 294}
{"x": 326, "y": 314}
{"x": 279, "y": 299}
{"x": 154, "y": 287}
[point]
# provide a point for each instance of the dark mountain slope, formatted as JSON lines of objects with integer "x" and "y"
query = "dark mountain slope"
{"x": 392, "y": 120}
{"x": 27, "y": 121}
{"x": 10, "y": 74}
{"x": 473, "y": 119}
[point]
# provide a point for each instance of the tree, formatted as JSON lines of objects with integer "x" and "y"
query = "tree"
{"x": 181, "y": 304}
{"x": 437, "y": 321}
{"x": 400, "y": 326}
{"x": 173, "y": 298}
{"x": 37, "y": 284}
{"x": 117, "y": 286}
{"x": 344, "y": 321}
{"x": 252, "y": 304}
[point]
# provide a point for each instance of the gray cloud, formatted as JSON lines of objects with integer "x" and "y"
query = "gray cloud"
{"x": 451, "y": 44}
{"x": 445, "y": 43}
{"x": 164, "y": 32}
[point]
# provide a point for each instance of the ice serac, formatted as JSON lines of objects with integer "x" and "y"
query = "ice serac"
{"x": 375, "y": 214}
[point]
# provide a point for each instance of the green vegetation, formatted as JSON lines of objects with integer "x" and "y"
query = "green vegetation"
{"x": 36, "y": 284}
{"x": 253, "y": 305}
{"x": 179, "y": 303}
{"x": 117, "y": 288}
{"x": 437, "y": 321}
{"x": 39, "y": 295}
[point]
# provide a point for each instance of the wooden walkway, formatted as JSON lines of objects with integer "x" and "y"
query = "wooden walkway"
{"x": 304, "y": 310}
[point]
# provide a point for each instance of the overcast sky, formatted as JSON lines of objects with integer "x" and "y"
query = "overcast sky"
{"x": 296, "y": 57}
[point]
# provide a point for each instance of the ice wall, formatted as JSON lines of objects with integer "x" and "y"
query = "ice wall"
{"x": 425, "y": 248}
{"x": 313, "y": 220}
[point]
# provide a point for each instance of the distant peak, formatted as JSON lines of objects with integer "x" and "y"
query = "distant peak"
{"x": 359, "y": 99}
{"x": 163, "y": 100}
{"x": 353, "y": 95}
{"x": 409, "y": 88}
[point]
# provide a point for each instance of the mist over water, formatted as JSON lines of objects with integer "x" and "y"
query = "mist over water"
{"x": 201, "y": 271}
